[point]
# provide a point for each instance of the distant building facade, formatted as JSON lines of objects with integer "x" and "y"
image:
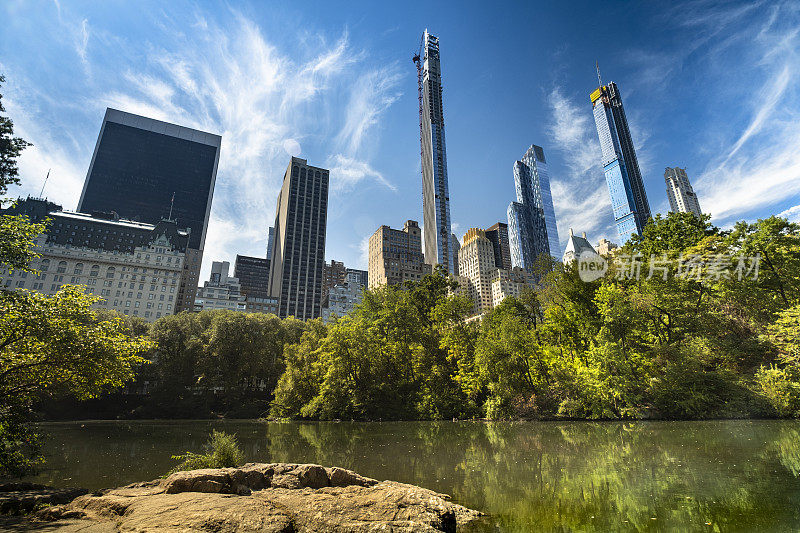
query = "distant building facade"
{"x": 435, "y": 189}
{"x": 134, "y": 267}
{"x": 498, "y": 234}
{"x": 253, "y": 276}
{"x": 682, "y": 198}
{"x": 270, "y": 238}
{"x": 336, "y": 273}
{"x": 509, "y": 282}
{"x": 395, "y": 256}
{"x": 620, "y": 166}
{"x": 575, "y": 247}
{"x": 147, "y": 170}
{"x": 456, "y": 247}
{"x": 343, "y": 297}
{"x": 476, "y": 264}
{"x": 531, "y": 219}
{"x": 221, "y": 291}
{"x": 298, "y": 245}
{"x": 606, "y": 247}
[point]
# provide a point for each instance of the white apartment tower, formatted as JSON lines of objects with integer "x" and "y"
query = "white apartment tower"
{"x": 682, "y": 198}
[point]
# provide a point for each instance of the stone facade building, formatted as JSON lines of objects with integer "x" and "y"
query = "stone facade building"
{"x": 395, "y": 256}
{"x": 136, "y": 268}
{"x": 343, "y": 297}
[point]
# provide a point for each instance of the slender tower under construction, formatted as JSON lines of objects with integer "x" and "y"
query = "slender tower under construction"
{"x": 435, "y": 191}
{"x": 620, "y": 166}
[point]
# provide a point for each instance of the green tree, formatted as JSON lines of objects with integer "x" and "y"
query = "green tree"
{"x": 10, "y": 149}
{"x": 52, "y": 346}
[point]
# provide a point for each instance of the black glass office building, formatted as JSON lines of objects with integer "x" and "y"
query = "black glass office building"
{"x": 147, "y": 170}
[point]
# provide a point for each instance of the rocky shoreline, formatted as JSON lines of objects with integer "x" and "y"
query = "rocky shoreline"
{"x": 275, "y": 497}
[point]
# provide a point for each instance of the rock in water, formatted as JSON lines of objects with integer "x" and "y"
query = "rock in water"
{"x": 278, "y": 497}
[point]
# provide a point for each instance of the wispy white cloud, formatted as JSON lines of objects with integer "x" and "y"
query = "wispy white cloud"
{"x": 83, "y": 42}
{"x": 759, "y": 164}
{"x": 346, "y": 172}
{"x": 228, "y": 77}
{"x": 581, "y": 197}
{"x": 373, "y": 93}
{"x": 792, "y": 214}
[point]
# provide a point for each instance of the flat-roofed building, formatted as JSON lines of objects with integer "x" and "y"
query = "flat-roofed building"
{"x": 253, "y": 276}
{"x": 147, "y": 170}
{"x": 395, "y": 256}
{"x": 298, "y": 243}
{"x": 221, "y": 291}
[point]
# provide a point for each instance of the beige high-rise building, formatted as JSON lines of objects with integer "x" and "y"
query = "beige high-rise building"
{"x": 395, "y": 256}
{"x": 682, "y": 198}
{"x": 505, "y": 283}
{"x": 475, "y": 265}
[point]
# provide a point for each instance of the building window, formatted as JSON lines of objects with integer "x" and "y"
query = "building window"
{"x": 62, "y": 267}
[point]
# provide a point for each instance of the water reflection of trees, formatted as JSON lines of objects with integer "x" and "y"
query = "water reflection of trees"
{"x": 565, "y": 476}
{"x": 544, "y": 476}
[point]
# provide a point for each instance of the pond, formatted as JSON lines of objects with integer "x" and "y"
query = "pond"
{"x": 544, "y": 476}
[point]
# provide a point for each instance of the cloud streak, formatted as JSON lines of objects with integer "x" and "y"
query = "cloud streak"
{"x": 580, "y": 198}
{"x": 229, "y": 78}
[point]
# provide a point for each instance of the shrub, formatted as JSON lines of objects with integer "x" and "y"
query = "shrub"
{"x": 222, "y": 450}
{"x": 780, "y": 390}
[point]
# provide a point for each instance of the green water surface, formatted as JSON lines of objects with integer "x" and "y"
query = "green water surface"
{"x": 529, "y": 476}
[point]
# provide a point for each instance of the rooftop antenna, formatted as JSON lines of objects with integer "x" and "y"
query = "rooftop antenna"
{"x": 171, "y": 203}
{"x": 45, "y": 183}
{"x": 597, "y": 66}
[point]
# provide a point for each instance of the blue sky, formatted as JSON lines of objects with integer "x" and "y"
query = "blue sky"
{"x": 708, "y": 86}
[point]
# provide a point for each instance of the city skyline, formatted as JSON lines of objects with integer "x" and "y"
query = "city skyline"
{"x": 350, "y": 104}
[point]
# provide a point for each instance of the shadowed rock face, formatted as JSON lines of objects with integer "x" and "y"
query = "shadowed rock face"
{"x": 276, "y": 497}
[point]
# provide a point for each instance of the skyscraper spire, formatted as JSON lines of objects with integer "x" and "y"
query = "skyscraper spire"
{"x": 599, "y": 80}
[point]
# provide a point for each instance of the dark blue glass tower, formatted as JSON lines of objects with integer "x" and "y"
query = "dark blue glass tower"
{"x": 620, "y": 166}
{"x": 531, "y": 219}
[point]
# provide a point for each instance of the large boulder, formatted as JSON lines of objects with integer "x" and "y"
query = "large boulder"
{"x": 278, "y": 497}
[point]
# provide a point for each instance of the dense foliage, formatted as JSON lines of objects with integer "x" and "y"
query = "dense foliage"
{"x": 690, "y": 322}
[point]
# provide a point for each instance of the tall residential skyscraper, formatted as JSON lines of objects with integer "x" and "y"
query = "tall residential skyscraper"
{"x": 475, "y": 265}
{"x": 628, "y": 197}
{"x": 298, "y": 247}
{"x": 532, "y": 219}
{"x": 435, "y": 191}
{"x": 498, "y": 234}
{"x": 148, "y": 170}
{"x": 682, "y": 198}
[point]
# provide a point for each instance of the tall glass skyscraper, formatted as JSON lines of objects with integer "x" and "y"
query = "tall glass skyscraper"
{"x": 628, "y": 197}
{"x": 147, "y": 170}
{"x": 435, "y": 191}
{"x": 531, "y": 219}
